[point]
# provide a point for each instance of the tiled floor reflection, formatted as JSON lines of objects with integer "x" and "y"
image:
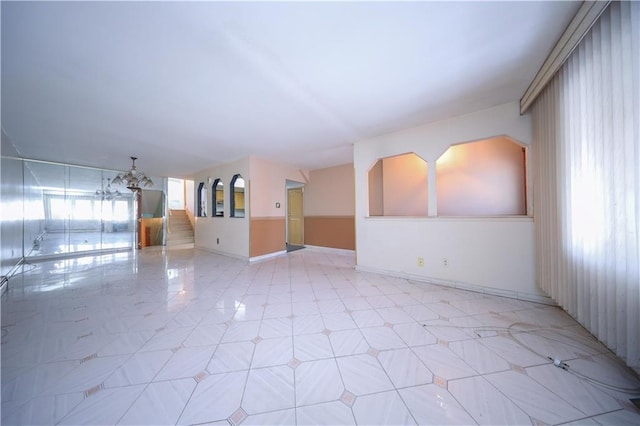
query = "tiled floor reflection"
{"x": 187, "y": 337}
{"x": 57, "y": 243}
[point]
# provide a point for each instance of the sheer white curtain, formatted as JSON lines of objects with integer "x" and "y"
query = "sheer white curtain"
{"x": 587, "y": 182}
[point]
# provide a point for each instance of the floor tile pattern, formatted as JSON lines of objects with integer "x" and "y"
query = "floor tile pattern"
{"x": 181, "y": 336}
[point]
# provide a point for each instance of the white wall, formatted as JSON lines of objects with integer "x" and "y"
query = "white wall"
{"x": 488, "y": 254}
{"x": 189, "y": 201}
{"x": 227, "y": 235}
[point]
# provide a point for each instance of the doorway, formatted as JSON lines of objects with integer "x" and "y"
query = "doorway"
{"x": 295, "y": 217}
{"x": 176, "y": 194}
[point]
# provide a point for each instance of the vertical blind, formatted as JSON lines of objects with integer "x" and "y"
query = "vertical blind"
{"x": 587, "y": 171}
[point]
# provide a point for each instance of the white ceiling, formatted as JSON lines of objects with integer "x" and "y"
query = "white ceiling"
{"x": 185, "y": 86}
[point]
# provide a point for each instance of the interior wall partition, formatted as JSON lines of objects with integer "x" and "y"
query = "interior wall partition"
{"x": 71, "y": 209}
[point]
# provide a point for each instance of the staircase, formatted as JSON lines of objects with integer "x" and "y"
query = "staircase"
{"x": 180, "y": 230}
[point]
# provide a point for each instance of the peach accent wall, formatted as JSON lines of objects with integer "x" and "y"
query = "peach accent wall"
{"x": 404, "y": 186}
{"x": 267, "y": 235}
{"x": 329, "y": 208}
{"x": 268, "y": 186}
{"x": 149, "y": 228}
{"x": 330, "y": 231}
{"x": 376, "y": 202}
{"x": 481, "y": 179}
{"x": 330, "y": 192}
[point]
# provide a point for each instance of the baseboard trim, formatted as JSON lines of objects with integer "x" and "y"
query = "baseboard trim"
{"x": 221, "y": 253}
{"x": 267, "y": 256}
{"x": 462, "y": 286}
{"x": 4, "y": 280}
{"x": 4, "y": 284}
{"x": 45, "y": 258}
{"x": 329, "y": 249}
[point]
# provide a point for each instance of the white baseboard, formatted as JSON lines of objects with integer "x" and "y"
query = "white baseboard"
{"x": 4, "y": 284}
{"x": 330, "y": 249}
{"x": 267, "y": 256}
{"x": 462, "y": 286}
{"x": 72, "y": 255}
{"x": 221, "y": 253}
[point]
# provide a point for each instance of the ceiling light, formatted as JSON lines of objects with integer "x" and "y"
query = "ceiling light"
{"x": 107, "y": 193}
{"x": 134, "y": 179}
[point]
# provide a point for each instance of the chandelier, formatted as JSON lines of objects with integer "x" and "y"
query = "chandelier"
{"x": 107, "y": 193}
{"x": 134, "y": 179}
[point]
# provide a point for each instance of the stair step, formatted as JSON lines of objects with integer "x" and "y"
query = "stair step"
{"x": 180, "y": 235}
{"x": 180, "y": 222}
{"x": 181, "y": 241}
{"x": 180, "y": 229}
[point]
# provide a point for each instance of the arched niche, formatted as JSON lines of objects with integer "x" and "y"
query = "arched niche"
{"x": 237, "y": 201}
{"x": 482, "y": 178}
{"x": 202, "y": 200}
{"x": 398, "y": 186}
{"x": 217, "y": 198}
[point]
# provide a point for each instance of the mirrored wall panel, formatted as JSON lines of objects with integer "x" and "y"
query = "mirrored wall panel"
{"x": 73, "y": 209}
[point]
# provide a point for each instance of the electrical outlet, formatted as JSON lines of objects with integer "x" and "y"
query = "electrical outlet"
{"x": 445, "y": 262}
{"x": 420, "y": 261}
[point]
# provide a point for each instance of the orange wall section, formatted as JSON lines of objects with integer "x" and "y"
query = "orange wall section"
{"x": 329, "y": 208}
{"x": 150, "y": 231}
{"x": 330, "y": 231}
{"x": 266, "y": 235}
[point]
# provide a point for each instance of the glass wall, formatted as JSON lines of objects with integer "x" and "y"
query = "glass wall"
{"x": 13, "y": 227}
{"x": 77, "y": 210}
{"x": 51, "y": 210}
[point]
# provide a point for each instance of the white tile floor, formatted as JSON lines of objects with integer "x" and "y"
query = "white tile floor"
{"x": 183, "y": 337}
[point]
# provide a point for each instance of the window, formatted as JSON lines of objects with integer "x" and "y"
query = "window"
{"x": 83, "y": 210}
{"x": 59, "y": 209}
{"x": 217, "y": 191}
{"x": 175, "y": 192}
{"x": 237, "y": 202}
{"x": 398, "y": 186}
{"x": 483, "y": 178}
{"x": 202, "y": 200}
{"x": 121, "y": 212}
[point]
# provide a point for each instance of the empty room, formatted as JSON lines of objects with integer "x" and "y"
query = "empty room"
{"x": 305, "y": 213}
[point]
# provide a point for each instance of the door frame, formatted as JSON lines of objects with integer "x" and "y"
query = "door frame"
{"x": 291, "y": 184}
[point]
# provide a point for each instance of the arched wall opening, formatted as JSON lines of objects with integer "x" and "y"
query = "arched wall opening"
{"x": 398, "y": 186}
{"x": 482, "y": 178}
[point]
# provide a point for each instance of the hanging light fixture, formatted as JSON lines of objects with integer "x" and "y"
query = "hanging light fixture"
{"x": 134, "y": 179}
{"x": 107, "y": 193}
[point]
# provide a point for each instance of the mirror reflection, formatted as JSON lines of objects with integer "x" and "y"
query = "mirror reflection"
{"x": 72, "y": 209}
